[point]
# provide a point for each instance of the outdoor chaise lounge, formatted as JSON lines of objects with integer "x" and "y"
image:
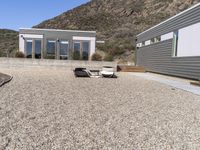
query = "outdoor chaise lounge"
{"x": 80, "y": 72}
{"x": 83, "y": 72}
{"x": 107, "y": 72}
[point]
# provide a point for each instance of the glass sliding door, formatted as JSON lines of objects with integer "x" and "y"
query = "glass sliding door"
{"x": 29, "y": 48}
{"x": 85, "y": 50}
{"x": 81, "y": 50}
{"x": 64, "y": 50}
{"x": 77, "y": 51}
{"x": 51, "y": 49}
{"x": 38, "y": 49}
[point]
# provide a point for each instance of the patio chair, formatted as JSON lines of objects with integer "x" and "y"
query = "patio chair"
{"x": 83, "y": 72}
{"x": 108, "y": 72}
{"x": 80, "y": 72}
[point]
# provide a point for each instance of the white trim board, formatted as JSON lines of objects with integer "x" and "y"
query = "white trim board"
{"x": 56, "y": 30}
{"x": 32, "y": 36}
{"x": 84, "y": 38}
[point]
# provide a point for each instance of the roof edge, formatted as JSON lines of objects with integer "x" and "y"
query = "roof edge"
{"x": 39, "y": 29}
{"x": 192, "y": 7}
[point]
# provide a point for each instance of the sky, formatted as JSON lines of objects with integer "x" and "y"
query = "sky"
{"x": 15, "y": 14}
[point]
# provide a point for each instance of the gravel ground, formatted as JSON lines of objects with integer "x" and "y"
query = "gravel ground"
{"x": 44, "y": 109}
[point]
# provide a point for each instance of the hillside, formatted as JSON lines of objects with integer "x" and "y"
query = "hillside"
{"x": 8, "y": 42}
{"x": 117, "y": 21}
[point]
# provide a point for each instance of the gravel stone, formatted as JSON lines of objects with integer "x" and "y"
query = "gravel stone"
{"x": 50, "y": 109}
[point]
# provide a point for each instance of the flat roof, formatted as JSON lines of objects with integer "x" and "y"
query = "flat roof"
{"x": 169, "y": 19}
{"x": 56, "y": 30}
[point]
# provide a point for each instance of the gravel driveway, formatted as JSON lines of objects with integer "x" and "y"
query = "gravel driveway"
{"x": 4, "y": 78}
{"x": 44, "y": 109}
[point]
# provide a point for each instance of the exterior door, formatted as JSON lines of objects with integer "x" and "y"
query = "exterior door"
{"x": 77, "y": 51}
{"x": 29, "y": 48}
{"x": 51, "y": 49}
{"x": 64, "y": 50}
{"x": 85, "y": 50}
{"x": 33, "y": 48}
{"x": 38, "y": 49}
{"x": 81, "y": 50}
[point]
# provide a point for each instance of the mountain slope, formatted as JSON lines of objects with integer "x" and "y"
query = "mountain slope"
{"x": 8, "y": 42}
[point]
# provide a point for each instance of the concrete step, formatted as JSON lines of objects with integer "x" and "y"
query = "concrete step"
{"x": 123, "y": 68}
{"x": 197, "y": 83}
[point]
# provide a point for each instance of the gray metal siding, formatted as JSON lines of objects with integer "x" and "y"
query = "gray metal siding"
{"x": 158, "y": 58}
{"x": 188, "y": 18}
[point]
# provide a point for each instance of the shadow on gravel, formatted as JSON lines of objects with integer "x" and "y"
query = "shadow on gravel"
{"x": 4, "y": 78}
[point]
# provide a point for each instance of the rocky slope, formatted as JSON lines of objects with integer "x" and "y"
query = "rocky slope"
{"x": 117, "y": 21}
{"x": 8, "y": 42}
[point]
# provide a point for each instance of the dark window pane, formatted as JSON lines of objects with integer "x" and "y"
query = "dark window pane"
{"x": 38, "y": 49}
{"x": 29, "y": 48}
{"x": 64, "y": 46}
{"x": 86, "y": 48}
{"x": 77, "y": 49}
{"x": 51, "y": 48}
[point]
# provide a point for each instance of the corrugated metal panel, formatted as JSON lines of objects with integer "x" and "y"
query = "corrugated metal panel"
{"x": 158, "y": 58}
{"x": 188, "y": 18}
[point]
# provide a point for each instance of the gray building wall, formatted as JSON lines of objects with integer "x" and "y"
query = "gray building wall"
{"x": 183, "y": 20}
{"x": 158, "y": 57}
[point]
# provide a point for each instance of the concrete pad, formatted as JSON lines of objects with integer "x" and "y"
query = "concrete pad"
{"x": 182, "y": 84}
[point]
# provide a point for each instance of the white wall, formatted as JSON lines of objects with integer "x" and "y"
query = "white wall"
{"x": 147, "y": 42}
{"x": 189, "y": 41}
{"x": 92, "y": 42}
{"x": 139, "y": 44}
{"x": 167, "y": 36}
{"x": 22, "y": 38}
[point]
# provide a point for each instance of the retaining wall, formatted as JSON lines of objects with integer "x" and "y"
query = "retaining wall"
{"x": 66, "y": 64}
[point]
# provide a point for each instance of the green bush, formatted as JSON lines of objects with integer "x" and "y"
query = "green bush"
{"x": 49, "y": 56}
{"x": 19, "y": 54}
{"x": 76, "y": 55}
{"x": 96, "y": 57}
{"x": 116, "y": 47}
{"x": 108, "y": 58}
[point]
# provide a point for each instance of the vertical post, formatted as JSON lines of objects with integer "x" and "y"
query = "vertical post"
{"x": 81, "y": 50}
{"x": 42, "y": 49}
{"x": 33, "y": 48}
{"x": 136, "y": 51}
{"x": 58, "y": 49}
{"x": 45, "y": 49}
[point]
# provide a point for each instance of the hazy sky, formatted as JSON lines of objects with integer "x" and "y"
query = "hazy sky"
{"x": 27, "y": 13}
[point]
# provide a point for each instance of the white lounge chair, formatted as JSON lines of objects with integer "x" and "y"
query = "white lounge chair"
{"x": 108, "y": 72}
